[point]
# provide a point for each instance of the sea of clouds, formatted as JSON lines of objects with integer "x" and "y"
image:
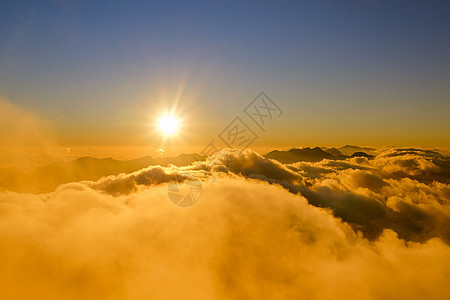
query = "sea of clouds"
{"x": 351, "y": 229}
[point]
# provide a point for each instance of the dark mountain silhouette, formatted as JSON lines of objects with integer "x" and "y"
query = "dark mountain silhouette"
{"x": 313, "y": 154}
{"x": 362, "y": 154}
{"x": 295, "y": 155}
{"x": 349, "y": 150}
{"x": 333, "y": 151}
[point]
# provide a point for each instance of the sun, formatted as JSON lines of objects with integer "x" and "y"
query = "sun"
{"x": 168, "y": 124}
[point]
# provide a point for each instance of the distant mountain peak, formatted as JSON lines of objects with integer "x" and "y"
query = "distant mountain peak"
{"x": 299, "y": 154}
{"x": 334, "y": 151}
{"x": 362, "y": 154}
{"x": 350, "y": 149}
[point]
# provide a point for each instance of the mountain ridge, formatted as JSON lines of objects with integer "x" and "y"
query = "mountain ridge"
{"x": 42, "y": 179}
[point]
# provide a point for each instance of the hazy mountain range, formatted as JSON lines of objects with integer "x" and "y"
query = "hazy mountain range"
{"x": 47, "y": 178}
{"x": 349, "y": 150}
{"x": 317, "y": 154}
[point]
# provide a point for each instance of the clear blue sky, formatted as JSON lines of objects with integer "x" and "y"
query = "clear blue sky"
{"x": 368, "y": 72}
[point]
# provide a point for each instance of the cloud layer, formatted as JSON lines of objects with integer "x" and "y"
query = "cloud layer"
{"x": 359, "y": 228}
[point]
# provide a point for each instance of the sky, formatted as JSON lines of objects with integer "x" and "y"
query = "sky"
{"x": 101, "y": 73}
{"x": 94, "y": 78}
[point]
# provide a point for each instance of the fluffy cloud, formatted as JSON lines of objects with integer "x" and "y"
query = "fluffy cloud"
{"x": 403, "y": 189}
{"x": 358, "y": 228}
{"x": 243, "y": 239}
{"x": 359, "y": 191}
{"x": 423, "y": 165}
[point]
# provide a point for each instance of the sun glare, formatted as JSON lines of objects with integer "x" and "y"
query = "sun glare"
{"x": 168, "y": 124}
